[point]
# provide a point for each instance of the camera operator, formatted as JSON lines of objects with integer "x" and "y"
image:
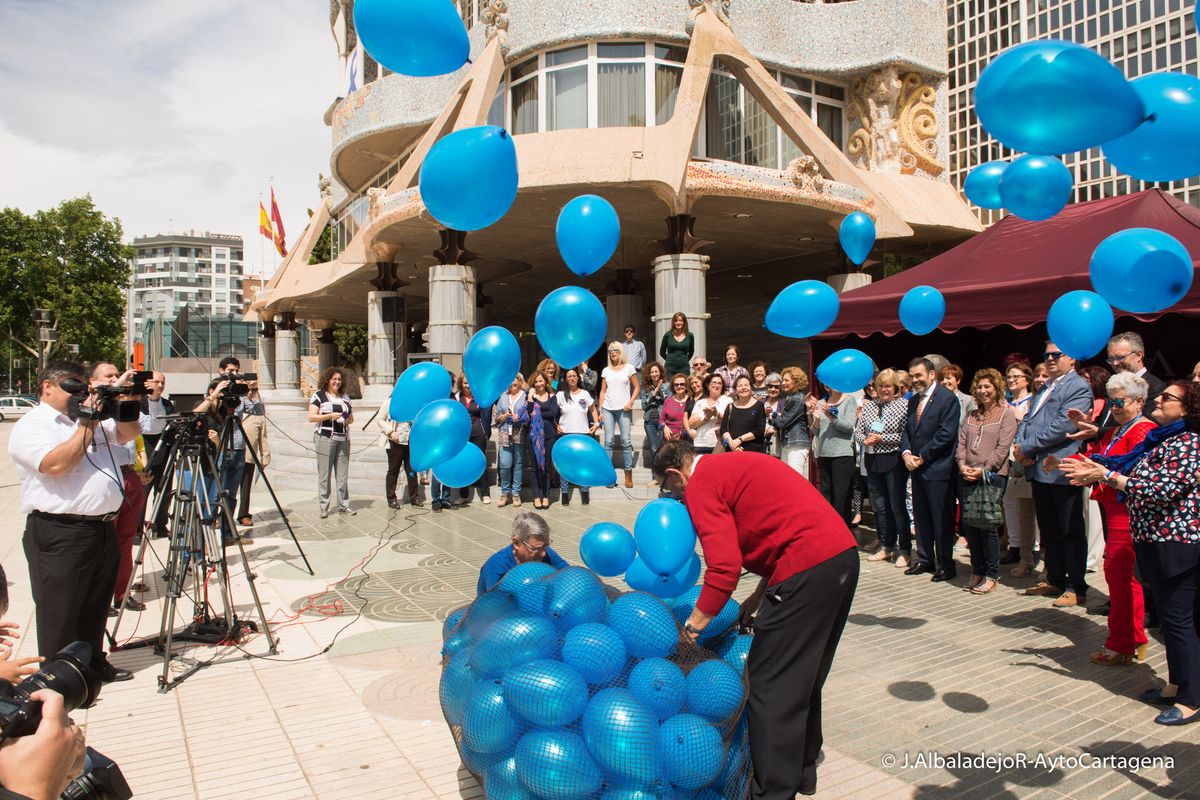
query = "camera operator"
{"x": 254, "y": 421}
{"x": 231, "y": 462}
{"x": 71, "y": 491}
{"x": 155, "y": 406}
{"x": 40, "y": 766}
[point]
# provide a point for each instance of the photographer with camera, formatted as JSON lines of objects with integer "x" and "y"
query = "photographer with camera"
{"x": 225, "y": 399}
{"x": 40, "y": 766}
{"x": 155, "y": 406}
{"x": 65, "y": 452}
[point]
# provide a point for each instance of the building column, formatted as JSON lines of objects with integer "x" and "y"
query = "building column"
{"x": 287, "y": 353}
{"x": 387, "y": 326}
{"x": 625, "y": 307}
{"x": 850, "y": 280}
{"x": 266, "y": 354}
{"x": 680, "y": 283}
{"x": 452, "y": 295}
{"x": 321, "y": 330}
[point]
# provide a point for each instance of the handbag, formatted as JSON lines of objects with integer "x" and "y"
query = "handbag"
{"x": 982, "y": 502}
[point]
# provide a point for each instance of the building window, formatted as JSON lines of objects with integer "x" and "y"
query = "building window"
{"x": 621, "y": 85}
{"x": 566, "y": 76}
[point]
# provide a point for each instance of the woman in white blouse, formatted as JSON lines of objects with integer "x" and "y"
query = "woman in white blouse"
{"x": 330, "y": 410}
{"x": 708, "y": 412}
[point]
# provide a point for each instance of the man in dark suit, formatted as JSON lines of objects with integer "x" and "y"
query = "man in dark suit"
{"x": 928, "y": 446}
{"x": 1046, "y": 431}
{"x": 1127, "y": 353}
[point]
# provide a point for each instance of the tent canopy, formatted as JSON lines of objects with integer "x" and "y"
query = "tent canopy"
{"x": 1012, "y": 272}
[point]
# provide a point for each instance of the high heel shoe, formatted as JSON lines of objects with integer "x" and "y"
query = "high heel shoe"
{"x": 1107, "y": 658}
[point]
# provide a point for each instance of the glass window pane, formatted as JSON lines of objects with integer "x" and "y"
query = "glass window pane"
{"x": 762, "y": 135}
{"x": 566, "y": 99}
{"x": 525, "y": 107}
{"x": 724, "y": 119}
{"x": 667, "y": 52}
{"x": 829, "y": 119}
{"x": 830, "y": 91}
{"x": 567, "y": 56}
{"x": 621, "y": 50}
{"x": 622, "y": 98}
{"x": 788, "y": 149}
{"x": 795, "y": 83}
{"x": 496, "y": 112}
{"x": 666, "y": 91}
{"x": 526, "y": 67}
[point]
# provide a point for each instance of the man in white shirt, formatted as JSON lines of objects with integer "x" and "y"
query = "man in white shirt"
{"x": 635, "y": 351}
{"x": 71, "y": 490}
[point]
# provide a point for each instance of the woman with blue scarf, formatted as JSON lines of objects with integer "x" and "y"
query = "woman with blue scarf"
{"x": 1158, "y": 481}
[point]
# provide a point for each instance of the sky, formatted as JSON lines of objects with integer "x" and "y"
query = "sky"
{"x": 172, "y": 114}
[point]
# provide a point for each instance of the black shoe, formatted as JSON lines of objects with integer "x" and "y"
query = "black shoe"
{"x": 585, "y": 498}
{"x": 1013, "y": 556}
{"x": 918, "y": 568}
{"x": 138, "y": 587}
{"x": 112, "y": 612}
{"x": 941, "y": 575}
{"x": 134, "y": 605}
{"x": 416, "y": 504}
{"x": 808, "y": 780}
{"x": 565, "y": 499}
{"x": 110, "y": 674}
{"x": 436, "y": 508}
{"x": 393, "y": 503}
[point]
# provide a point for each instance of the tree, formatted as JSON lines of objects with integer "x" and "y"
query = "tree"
{"x": 68, "y": 259}
{"x": 322, "y": 251}
{"x": 352, "y": 345}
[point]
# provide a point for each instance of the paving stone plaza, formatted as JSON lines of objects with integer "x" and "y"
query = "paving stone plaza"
{"x": 926, "y": 676}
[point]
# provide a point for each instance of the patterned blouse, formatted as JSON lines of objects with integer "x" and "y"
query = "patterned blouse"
{"x": 1163, "y": 494}
{"x": 893, "y": 415}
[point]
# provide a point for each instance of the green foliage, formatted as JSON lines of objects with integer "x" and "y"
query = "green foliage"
{"x": 322, "y": 251}
{"x": 68, "y": 259}
{"x": 894, "y": 264}
{"x": 352, "y": 345}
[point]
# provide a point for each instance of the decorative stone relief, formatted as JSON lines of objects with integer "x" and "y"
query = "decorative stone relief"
{"x": 806, "y": 174}
{"x": 375, "y": 196}
{"x": 495, "y": 20}
{"x": 898, "y": 121}
{"x": 324, "y": 185}
{"x": 718, "y": 7}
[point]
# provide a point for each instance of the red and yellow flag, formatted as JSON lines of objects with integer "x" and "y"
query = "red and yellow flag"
{"x": 277, "y": 223}
{"x": 264, "y": 223}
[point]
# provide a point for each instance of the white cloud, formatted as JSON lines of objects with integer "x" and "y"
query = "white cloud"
{"x": 172, "y": 115}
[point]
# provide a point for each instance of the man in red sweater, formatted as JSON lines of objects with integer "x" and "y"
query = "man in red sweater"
{"x": 753, "y": 512}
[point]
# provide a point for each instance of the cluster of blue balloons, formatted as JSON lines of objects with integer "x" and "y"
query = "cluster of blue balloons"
{"x": 558, "y": 690}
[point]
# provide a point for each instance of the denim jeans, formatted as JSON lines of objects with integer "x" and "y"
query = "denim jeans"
{"x": 653, "y": 437}
{"x": 438, "y": 492}
{"x": 230, "y": 466}
{"x": 985, "y": 550}
{"x": 611, "y": 420}
{"x": 891, "y": 487}
{"x": 512, "y": 462}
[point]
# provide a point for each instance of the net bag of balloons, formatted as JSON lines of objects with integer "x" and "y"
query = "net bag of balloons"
{"x": 558, "y": 687}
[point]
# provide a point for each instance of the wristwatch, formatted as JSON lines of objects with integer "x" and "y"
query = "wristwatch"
{"x": 694, "y": 631}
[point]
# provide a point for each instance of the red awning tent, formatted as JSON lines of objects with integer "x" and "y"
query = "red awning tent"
{"x": 1012, "y": 272}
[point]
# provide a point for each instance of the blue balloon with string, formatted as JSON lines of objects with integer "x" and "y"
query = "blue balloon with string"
{"x": 416, "y": 387}
{"x": 570, "y": 323}
{"x": 491, "y": 363}
{"x": 440, "y": 432}
{"x": 922, "y": 309}
{"x": 857, "y": 236}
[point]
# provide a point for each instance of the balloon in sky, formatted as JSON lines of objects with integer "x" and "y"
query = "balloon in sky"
{"x": 846, "y": 370}
{"x": 570, "y": 323}
{"x": 922, "y": 309}
{"x": 463, "y": 469}
{"x": 416, "y": 387}
{"x": 982, "y": 185}
{"x": 417, "y": 37}
{"x": 804, "y": 309}
{"x": 1036, "y": 187}
{"x": 665, "y": 537}
{"x": 588, "y": 232}
{"x": 1051, "y": 96}
{"x": 469, "y": 178}
{"x": 857, "y": 235}
{"x": 491, "y": 362}
{"x": 607, "y": 548}
{"x": 1165, "y": 146}
{"x": 1142, "y": 270}
{"x": 440, "y": 431}
{"x": 581, "y": 460}
{"x": 1080, "y": 323}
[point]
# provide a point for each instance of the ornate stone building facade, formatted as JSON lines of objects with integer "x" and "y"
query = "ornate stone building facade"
{"x": 732, "y": 136}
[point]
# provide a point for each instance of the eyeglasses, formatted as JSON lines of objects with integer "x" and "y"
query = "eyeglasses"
{"x": 532, "y": 549}
{"x": 1165, "y": 397}
{"x": 775, "y": 386}
{"x": 1121, "y": 402}
{"x": 1012, "y": 378}
{"x": 1052, "y": 356}
{"x": 680, "y": 385}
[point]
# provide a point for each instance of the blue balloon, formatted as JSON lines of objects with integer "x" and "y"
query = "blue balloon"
{"x": 440, "y": 432}
{"x": 453, "y": 619}
{"x": 555, "y": 765}
{"x": 665, "y": 537}
{"x": 588, "y": 232}
{"x": 491, "y": 363}
{"x": 1036, "y": 187}
{"x": 464, "y": 469}
{"x": 489, "y": 725}
{"x": 804, "y": 309}
{"x": 500, "y": 782}
{"x": 1163, "y": 147}
{"x": 982, "y": 186}
{"x": 691, "y": 750}
{"x": 513, "y": 641}
{"x": 596, "y": 650}
{"x": 922, "y": 309}
{"x": 455, "y": 642}
{"x": 620, "y": 734}
{"x": 1051, "y": 96}
{"x": 645, "y": 624}
{"x": 527, "y": 583}
{"x": 846, "y": 370}
{"x": 660, "y": 686}
{"x": 479, "y": 763}
{"x": 715, "y": 690}
{"x": 547, "y": 693}
{"x": 857, "y": 235}
{"x": 722, "y": 622}
{"x": 486, "y": 610}
{"x": 1080, "y": 323}
{"x": 420, "y": 38}
{"x": 417, "y": 387}
{"x": 458, "y": 679}
{"x": 642, "y": 579}
{"x": 1142, "y": 270}
{"x": 469, "y": 178}
{"x": 581, "y": 460}
{"x": 607, "y": 548}
{"x": 736, "y": 650}
{"x": 570, "y": 323}
{"x": 575, "y": 596}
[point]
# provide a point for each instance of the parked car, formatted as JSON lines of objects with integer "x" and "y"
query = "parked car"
{"x": 13, "y": 406}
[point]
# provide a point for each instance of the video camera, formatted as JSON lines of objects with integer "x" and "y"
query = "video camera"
{"x": 68, "y": 674}
{"x": 110, "y": 405}
{"x": 239, "y": 387}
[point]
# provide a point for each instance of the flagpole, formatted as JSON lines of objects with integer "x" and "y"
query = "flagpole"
{"x": 261, "y": 255}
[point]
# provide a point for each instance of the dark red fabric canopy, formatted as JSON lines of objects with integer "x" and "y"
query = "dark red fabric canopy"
{"x": 1012, "y": 272}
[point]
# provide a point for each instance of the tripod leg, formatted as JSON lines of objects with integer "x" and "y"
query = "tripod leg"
{"x": 137, "y": 563}
{"x": 271, "y": 490}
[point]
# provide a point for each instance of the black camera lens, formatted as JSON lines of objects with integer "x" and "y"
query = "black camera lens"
{"x": 68, "y": 674}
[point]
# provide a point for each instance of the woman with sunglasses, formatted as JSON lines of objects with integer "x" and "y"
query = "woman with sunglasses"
{"x": 618, "y": 386}
{"x": 772, "y": 405}
{"x": 1157, "y": 478}
{"x": 878, "y": 432}
{"x": 675, "y": 411}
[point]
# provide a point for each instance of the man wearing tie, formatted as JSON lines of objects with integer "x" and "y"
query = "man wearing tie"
{"x": 928, "y": 445}
{"x": 1044, "y": 432}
